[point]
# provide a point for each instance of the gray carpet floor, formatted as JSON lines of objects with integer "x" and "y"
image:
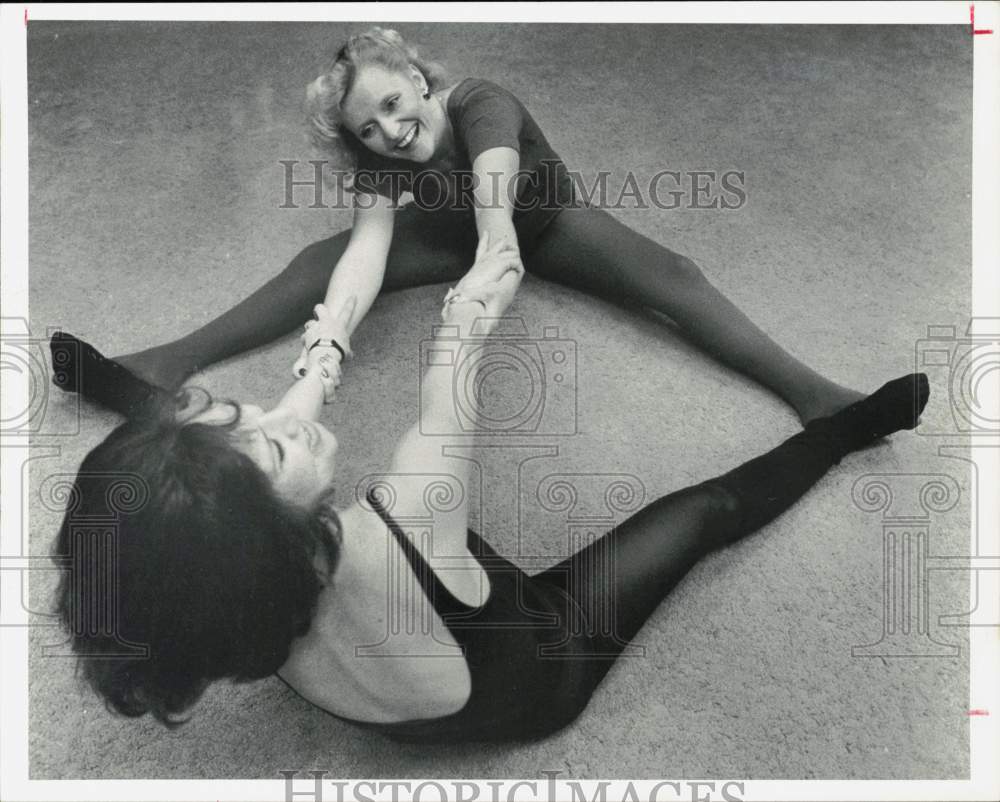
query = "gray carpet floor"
{"x": 155, "y": 194}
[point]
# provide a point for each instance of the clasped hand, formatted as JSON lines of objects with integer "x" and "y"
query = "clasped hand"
{"x": 319, "y": 357}
{"x": 491, "y": 282}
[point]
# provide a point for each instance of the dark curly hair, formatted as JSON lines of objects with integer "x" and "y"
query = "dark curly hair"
{"x": 185, "y": 566}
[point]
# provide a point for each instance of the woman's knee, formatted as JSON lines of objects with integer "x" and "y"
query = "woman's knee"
{"x": 710, "y": 510}
{"x": 723, "y": 512}
{"x": 684, "y": 269}
{"x": 323, "y": 254}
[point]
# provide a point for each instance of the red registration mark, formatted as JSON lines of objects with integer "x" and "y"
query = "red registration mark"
{"x": 972, "y": 22}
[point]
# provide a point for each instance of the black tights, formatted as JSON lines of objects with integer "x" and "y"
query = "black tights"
{"x": 622, "y": 577}
{"x": 582, "y": 247}
{"x": 426, "y": 249}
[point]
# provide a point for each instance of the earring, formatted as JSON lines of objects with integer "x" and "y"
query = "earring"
{"x": 427, "y": 94}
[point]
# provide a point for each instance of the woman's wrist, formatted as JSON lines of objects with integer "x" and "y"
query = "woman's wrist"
{"x": 328, "y": 344}
{"x": 463, "y": 313}
{"x": 324, "y": 355}
{"x": 464, "y": 308}
{"x": 457, "y": 303}
{"x": 324, "y": 368}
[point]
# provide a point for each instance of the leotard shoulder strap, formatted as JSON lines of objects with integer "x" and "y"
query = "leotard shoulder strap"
{"x": 442, "y": 599}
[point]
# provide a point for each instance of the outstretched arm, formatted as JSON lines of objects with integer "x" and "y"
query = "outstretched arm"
{"x": 360, "y": 271}
{"x": 496, "y": 192}
{"x": 321, "y": 371}
{"x": 495, "y": 196}
{"x": 419, "y": 458}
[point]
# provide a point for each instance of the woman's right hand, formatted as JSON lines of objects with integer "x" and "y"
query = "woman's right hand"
{"x": 330, "y": 323}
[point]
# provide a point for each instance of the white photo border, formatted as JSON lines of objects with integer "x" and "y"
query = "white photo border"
{"x": 984, "y": 782}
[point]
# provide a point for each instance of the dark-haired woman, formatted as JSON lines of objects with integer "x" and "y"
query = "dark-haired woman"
{"x": 231, "y": 563}
{"x": 476, "y": 162}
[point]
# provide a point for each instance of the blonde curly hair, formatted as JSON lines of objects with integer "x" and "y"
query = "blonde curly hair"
{"x": 382, "y": 46}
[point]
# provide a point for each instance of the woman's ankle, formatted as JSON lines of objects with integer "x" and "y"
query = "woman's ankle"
{"x": 821, "y": 399}
{"x": 163, "y": 366}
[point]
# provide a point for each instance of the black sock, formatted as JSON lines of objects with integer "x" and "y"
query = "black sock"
{"x": 768, "y": 485}
{"x": 78, "y": 367}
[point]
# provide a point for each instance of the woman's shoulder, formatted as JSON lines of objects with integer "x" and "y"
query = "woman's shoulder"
{"x": 367, "y": 542}
{"x": 473, "y": 88}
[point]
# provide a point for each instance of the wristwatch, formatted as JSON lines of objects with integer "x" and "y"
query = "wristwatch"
{"x": 329, "y": 343}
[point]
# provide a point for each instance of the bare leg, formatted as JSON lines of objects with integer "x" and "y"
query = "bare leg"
{"x": 590, "y": 250}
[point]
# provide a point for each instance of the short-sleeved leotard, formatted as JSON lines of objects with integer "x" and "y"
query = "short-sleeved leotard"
{"x": 483, "y": 116}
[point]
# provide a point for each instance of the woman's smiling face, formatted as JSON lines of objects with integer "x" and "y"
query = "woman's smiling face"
{"x": 296, "y": 454}
{"x": 387, "y": 112}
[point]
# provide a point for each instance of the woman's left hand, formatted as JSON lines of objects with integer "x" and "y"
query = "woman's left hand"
{"x": 328, "y": 371}
{"x": 328, "y": 324}
{"x": 495, "y": 258}
{"x": 486, "y": 300}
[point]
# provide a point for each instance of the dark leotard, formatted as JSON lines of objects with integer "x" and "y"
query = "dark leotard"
{"x": 520, "y": 648}
{"x": 483, "y": 116}
{"x": 539, "y": 646}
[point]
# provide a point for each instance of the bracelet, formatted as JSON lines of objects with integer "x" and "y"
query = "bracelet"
{"x": 457, "y": 298}
{"x": 328, "y": 343}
